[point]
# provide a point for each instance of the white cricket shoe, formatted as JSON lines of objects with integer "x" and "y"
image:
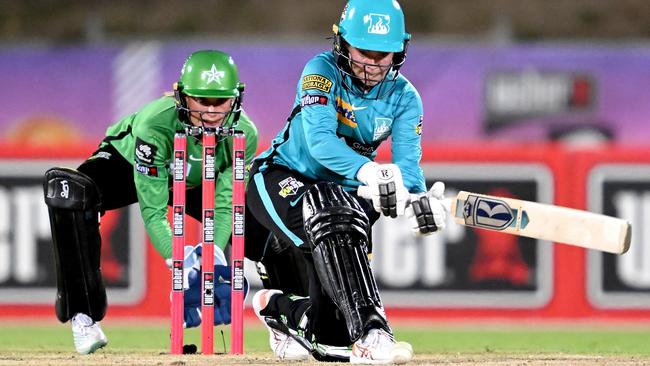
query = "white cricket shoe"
{"x": 379, "y": 347}
{"x": 284, "y": 347}
{"x": 88, "y": 336}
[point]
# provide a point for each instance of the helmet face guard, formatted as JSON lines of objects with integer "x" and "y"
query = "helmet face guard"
{"x": 208, "y": 74}
{"x": 374, "y": 26}
{"x": 362, "y": 84}
{"x": 230, "y": 118}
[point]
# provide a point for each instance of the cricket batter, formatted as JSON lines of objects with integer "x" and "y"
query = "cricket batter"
{"x": 303, "y": 190}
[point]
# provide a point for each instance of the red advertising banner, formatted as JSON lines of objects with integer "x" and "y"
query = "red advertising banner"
{"x": 460, "y": 273}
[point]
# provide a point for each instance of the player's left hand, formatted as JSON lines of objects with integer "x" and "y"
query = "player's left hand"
{"x": 427, "y": 212}
{"x": 192, "y": 285}
{"x": 384, "y": 186}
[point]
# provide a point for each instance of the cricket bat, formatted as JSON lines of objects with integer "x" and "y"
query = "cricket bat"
{"x": 537, "y": 220}
{"x": 540, "y": 221}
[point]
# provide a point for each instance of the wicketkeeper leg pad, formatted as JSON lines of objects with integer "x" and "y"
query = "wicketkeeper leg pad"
{"x": 337, "y": 230}
{"x": 74, "y": 202}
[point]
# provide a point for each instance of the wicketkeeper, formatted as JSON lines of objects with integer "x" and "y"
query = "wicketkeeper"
{"x": 132, "y": 164}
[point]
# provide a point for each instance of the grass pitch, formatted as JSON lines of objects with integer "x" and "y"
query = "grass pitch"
{"x": 148, "y": 344}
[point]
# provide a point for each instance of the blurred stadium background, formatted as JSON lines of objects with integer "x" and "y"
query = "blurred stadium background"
{"x": 544, "y": 100}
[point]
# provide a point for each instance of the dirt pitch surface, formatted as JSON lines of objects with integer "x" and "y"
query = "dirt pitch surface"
{"x": 483, "y": 359}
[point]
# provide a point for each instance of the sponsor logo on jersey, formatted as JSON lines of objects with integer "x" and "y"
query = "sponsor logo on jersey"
{"x": 144, "y": 152}
{"x": 312, "y": 99}
{"x": 102, "y": 155}
{"x": 150, "y": 171}
{"x": 360, "y": 147}
{"x": 418, "y": 128}
{"x": 377, "y": 23}
{"x": 345, "y": 113}
{"x": 289, "y": 187}
{"x": 318, "y": 82}
{"x": 382, "y": 128}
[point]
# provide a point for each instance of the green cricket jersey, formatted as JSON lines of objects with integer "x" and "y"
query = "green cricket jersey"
{"x": 146, "y": 140}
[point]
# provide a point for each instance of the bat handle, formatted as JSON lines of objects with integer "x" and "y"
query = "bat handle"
{"x": 448, "y": 203}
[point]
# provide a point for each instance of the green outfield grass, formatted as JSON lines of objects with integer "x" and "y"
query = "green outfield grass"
{"x": 430, "y": 340}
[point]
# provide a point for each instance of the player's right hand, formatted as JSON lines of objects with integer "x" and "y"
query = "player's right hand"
{"x": 427, "y": 213}
{"x": 385, "y": 187}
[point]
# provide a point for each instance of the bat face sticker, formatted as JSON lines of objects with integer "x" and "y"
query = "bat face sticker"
{"x": 488, "y": 213}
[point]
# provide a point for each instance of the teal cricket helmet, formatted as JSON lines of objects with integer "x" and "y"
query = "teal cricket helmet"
{"x": 374, "y": 25}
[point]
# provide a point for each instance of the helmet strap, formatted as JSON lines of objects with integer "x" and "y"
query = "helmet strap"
{"x": 181, "y": 105}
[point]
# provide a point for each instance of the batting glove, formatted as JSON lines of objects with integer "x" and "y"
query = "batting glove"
{"x": 384, "y": 186}
{"x": 427, "y": 212}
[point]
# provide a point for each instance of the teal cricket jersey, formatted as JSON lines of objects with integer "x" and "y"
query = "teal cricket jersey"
{"x": 333, "y": 132}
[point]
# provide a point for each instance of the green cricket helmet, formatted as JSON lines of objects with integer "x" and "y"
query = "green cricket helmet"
{"x": 208, "y": 74}
{"x": 376, "y": 25}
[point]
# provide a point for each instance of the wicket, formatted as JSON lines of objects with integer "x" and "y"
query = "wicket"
{"x": 207, "y": 258}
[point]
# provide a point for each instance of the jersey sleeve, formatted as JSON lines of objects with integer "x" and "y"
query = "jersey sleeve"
{"x": 406, "y": 140}
{"x": 317, "y": 90}
{"x": 152, "y": 150}
{"x": 223, "y": 187}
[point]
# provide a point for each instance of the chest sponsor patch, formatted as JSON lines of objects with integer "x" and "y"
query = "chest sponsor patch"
{"x": 318, "y": 82}
{"x": 382, "y": 128}
{"x": 361, "y": 148}
{"x": 144, "y": 151}
{"x": 150, "y": 171}
{"x": 345, "y": 113}
{"x": 312, "y": 99}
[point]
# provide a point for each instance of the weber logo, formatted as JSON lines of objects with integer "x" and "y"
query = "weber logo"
{"x": 238, "y": 220}
{"x": 179, "y": 166}
{"x": 516, "y": 96}
{"x": 151, "y": 171}
{"x": 208, "y": 166}
{"x": 208, "y": 288}
{"x": 208, "y": 226}
{"x": 238, "y": 275}
{"x": 177, "y": 276}
{"x": 239, "y": 165}
{"x": 312, "y": 99}
{"x": 179, "y": 216}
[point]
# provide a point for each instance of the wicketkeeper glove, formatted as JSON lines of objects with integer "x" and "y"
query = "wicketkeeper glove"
{"x": 192, "y": 275}
{"x": 427, "y": 212}
{"x": 384, "y": 186}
